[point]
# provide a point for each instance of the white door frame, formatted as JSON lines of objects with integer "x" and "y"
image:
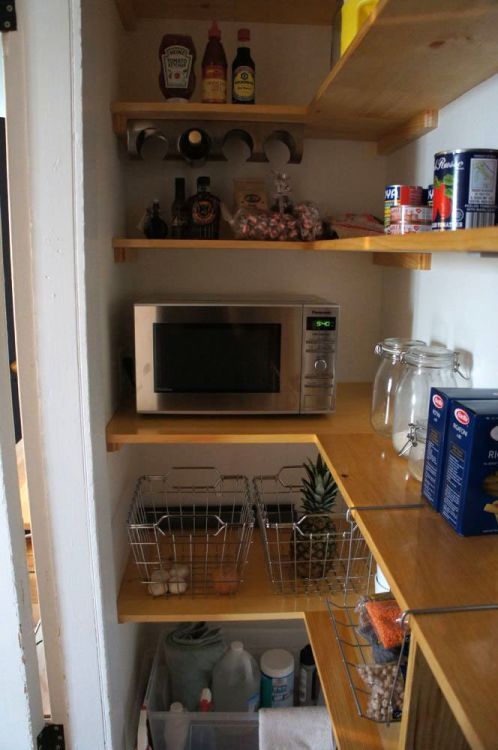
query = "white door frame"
{"x": 44, "y": 127}
{"x": 20, "y": 697}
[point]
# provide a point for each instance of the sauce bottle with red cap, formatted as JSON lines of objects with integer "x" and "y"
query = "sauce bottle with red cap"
{"x": 243, "y": 71}
{"x": 214, "y": 69}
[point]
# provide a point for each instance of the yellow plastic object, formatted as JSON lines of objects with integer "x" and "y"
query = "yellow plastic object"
{"x": 354, "y": 13}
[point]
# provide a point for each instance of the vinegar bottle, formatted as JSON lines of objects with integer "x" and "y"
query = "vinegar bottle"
{"x": 236, "y": 680}
{"x": 214, "y": 69}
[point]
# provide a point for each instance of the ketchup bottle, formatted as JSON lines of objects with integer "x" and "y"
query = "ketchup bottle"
{"x": 177, "y": 76}
{"x": 214, "y": 69}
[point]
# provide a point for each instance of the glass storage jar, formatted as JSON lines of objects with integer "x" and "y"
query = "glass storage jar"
{"x": 386, "y": 380}
{"x": 425, "y": 367}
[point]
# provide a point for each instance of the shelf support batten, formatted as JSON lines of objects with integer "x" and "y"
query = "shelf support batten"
{"x": 409, "y": 131}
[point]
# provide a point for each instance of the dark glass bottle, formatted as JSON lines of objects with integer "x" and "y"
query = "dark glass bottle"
{"x": 155, "y": 228}
{"x": 243, "y": 71}
{"x": 179, "y": 211}
{"x": 194, "y": 146}
{"x": 204, "y": 212}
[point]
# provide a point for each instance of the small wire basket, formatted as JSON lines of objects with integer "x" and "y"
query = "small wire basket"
{"x": 310, "y": 554}
{"x": 377, "y": 688}
{"x": 190, "y": 531}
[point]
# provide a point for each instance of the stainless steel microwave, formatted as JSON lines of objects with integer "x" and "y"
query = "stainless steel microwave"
{"x": 234, "y": 357}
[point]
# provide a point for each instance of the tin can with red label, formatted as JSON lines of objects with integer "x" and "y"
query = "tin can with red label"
{"x": 465, "y": 189}
{"x": 400, "y": 195}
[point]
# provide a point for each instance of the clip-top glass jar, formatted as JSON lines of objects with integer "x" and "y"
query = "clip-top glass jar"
{"x": 386, "y": 380}
{"x": 425, "y": 367}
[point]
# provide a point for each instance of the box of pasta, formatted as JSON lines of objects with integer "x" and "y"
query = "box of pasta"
{"x": 470, "y": 483}
{"x": 440, "y": 409}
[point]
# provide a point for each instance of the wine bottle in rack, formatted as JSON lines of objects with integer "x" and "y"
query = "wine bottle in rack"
{"x": 194, "y": 145}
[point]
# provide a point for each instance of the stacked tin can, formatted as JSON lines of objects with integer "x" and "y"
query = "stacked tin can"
{"x": 406, "y": 209}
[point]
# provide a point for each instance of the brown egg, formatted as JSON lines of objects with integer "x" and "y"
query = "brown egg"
{"x": 225, "y": 579}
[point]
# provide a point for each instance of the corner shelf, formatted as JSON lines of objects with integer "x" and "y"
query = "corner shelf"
{"x": 408, "y": 251}
{"x": 416, "y": 57}
{"x": 426, "y": 563}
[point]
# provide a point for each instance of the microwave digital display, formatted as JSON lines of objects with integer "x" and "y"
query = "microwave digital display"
{"x": 216, "y": 357}
{"x": 320, "y": 323}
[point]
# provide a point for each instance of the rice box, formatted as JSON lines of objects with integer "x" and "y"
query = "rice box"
{"x": 440, "y": 408}
{"x": 470, "y": 482}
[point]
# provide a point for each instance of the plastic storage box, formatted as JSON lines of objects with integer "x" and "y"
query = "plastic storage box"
{"x": 214, "y": 730}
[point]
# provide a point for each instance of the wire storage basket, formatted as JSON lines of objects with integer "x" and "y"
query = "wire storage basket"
{"x": 314, "y": 553}
{"x": 376, "y": 676}
{"x": 190, "y": 531}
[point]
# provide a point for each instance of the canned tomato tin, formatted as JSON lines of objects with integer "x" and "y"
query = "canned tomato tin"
{"x": 400, "y": 195}
{"x": 465, "y": 189}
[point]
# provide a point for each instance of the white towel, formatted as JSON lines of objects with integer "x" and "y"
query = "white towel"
{"x": 295, "y": 729}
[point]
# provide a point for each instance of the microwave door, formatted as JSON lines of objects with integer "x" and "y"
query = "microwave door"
{"x": 231, "y": 360}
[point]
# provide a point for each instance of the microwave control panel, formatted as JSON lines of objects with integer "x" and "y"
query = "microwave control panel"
{"x": 320, "y": 325}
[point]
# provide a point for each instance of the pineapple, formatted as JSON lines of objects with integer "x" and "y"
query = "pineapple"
{"x": 314, "y": 550}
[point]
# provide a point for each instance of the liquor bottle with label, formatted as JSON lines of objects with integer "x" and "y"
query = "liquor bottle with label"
{"x": 179, "y": 211}
{"x": 194, "y": 146}
{"x": 243, "y": 71}
{"x": 204, "y": 212}
{"x": 154, "y": 226}
{"x": 214, "y": 69}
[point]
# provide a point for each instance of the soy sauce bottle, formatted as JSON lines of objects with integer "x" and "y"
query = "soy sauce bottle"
{"x": 243, "y": 71}
{"x": 204, "y": 212}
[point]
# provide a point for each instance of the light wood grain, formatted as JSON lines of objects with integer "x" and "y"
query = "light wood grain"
{"x": 409, "y": 131}
{"x": 256, "y": 599}
{"x": 352, "y": 731}
{"x": 279, "y": 114}
{"x": 417, "y": 55}
{"x": 427, "y": 719}
{"x": 461, "y": 652}
{"x": 313, "y": 12}
{"x": 483, "y": 240}
{"x": 368, "y": 471}
{"x": 412, "y": 261}
{"x": 353, "y": 403}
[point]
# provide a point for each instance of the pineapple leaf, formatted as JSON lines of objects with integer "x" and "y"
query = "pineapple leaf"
{"x": 319, "y": 489}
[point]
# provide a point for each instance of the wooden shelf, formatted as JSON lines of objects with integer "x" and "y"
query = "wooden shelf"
{"x": 426, "y": 563}
{"x": 314, "y": 12}
{"x": 352, "y": 731}
{"x": 416, "y": 55}
{"x": 129, "y": 428}
{"x": 406, "y": 251}
{"x": 255, "y": 600}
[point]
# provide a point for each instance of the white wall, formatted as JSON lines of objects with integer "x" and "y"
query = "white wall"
{"x": 107, "y": 296}
{"x": 456, "y": 303}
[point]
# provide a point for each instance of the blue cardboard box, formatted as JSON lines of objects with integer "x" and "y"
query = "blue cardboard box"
{"x": 440, "y": 407}
{"x": 470, "y": 483}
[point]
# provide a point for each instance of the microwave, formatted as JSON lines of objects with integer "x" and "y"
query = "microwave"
{"x": 236, "y": 357}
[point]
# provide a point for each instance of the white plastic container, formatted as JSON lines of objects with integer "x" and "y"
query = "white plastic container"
{"x": 179, "y": 726}
{"x": 236, "y": 680}
{"x": 277, "y": 679}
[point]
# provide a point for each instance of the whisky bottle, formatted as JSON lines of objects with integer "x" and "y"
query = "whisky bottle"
{"x": 204, "y": 212}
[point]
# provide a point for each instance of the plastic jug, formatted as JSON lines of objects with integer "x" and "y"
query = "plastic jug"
{"x": 354, "y": 13}
{"x": 236, "y": 680}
